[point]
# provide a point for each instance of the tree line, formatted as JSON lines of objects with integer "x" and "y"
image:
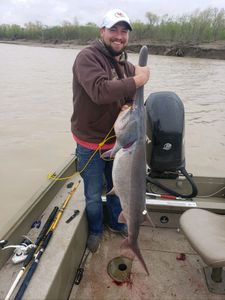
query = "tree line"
{"x": 200, "y": 26}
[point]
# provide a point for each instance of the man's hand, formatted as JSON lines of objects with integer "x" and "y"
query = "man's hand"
{"x": 142, "y": 75}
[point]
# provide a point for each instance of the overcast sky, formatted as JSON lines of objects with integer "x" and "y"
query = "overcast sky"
{"x": 54, "y": 12}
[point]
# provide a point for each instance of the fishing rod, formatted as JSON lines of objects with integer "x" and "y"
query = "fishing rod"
{"x": 80, "y": 270}
{"x": 44, "y": 245}
{"x": 163, "y": 196}
{"x": 28, "y": 259}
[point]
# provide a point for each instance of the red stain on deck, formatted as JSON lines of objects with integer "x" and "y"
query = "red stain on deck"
{"x": 127, "y": 282}
{"x": 181, "y": 256}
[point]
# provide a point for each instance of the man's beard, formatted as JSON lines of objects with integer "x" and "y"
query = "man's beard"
{"x": 112, "y": 51}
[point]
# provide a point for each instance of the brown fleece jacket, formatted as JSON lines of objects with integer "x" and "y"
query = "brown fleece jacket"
{"x": 101, "y": 86}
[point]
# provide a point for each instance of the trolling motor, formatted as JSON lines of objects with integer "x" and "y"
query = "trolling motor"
{"x": 165, "y": 140}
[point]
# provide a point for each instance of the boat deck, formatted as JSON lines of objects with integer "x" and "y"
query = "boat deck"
{"x": 170, "y": 277}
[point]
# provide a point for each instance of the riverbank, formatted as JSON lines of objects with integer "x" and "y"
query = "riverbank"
{"x": 214, "y": 50}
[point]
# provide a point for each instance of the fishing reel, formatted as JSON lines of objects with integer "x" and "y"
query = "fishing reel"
{"x": 21, "y": 251}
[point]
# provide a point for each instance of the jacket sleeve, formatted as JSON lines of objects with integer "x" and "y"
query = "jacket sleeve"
{"x": 93, "y": 76}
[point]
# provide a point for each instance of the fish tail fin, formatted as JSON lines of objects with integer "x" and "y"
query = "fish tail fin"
{"x": 135, "y": 251}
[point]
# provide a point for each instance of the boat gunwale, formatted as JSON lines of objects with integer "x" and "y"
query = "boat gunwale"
{"x": 34, "y": 207}
{"x": 40, "y": 200}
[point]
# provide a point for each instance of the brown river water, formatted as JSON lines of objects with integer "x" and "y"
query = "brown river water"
{"x": 36, "y": 105}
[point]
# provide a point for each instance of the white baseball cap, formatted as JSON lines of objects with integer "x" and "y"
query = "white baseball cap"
{"x": 114, "y": 16}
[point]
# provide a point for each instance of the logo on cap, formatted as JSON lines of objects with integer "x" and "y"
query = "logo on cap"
{"x": 119, "y": 14}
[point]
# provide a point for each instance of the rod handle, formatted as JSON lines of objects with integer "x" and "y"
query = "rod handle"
{"x": 32, "y": 268}
{"x": 79, "y": 276}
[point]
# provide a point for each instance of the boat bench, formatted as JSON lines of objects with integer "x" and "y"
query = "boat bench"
{"x": 206, "y": 233}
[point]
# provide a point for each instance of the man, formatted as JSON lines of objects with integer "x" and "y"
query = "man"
{"x": 103, "y": 82}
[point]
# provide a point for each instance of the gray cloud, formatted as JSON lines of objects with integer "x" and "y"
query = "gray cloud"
{"x": 53, "y": 12}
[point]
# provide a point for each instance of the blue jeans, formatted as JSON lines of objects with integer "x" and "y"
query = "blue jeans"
{"x": 93, "y": 177}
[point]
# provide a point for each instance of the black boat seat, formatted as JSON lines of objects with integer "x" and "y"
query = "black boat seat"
{"x": 206, "y": 233}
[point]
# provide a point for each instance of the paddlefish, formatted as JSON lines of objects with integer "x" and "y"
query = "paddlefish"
{"x": 129, "y": 167}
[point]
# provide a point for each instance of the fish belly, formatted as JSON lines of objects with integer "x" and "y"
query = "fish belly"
{"x": 129, "y": 184}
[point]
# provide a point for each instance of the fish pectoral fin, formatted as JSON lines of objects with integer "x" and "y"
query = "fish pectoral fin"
{"x": 147, "y": 218}
{"x": 112, "y": 152}
{"x": 121, "y": 218}
{"x": 111, "y": 192}
{"x": 106, "y": 154}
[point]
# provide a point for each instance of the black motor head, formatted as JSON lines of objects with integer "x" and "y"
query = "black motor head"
{"x": 165, "y": 129}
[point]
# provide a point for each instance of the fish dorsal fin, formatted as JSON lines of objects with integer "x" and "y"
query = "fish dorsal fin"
{"x": 147, "y": 218}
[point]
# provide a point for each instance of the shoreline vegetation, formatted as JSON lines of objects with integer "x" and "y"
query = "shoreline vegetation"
{"x": 200, "y": 34}
{"x": 213, "y": 50}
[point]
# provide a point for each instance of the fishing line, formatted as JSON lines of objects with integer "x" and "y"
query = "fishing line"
{"x": 53, "y": 176}
{"x": 211, "y": 195}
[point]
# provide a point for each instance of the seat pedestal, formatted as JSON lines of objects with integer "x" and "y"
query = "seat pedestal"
{"x": 215, "y": 279}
